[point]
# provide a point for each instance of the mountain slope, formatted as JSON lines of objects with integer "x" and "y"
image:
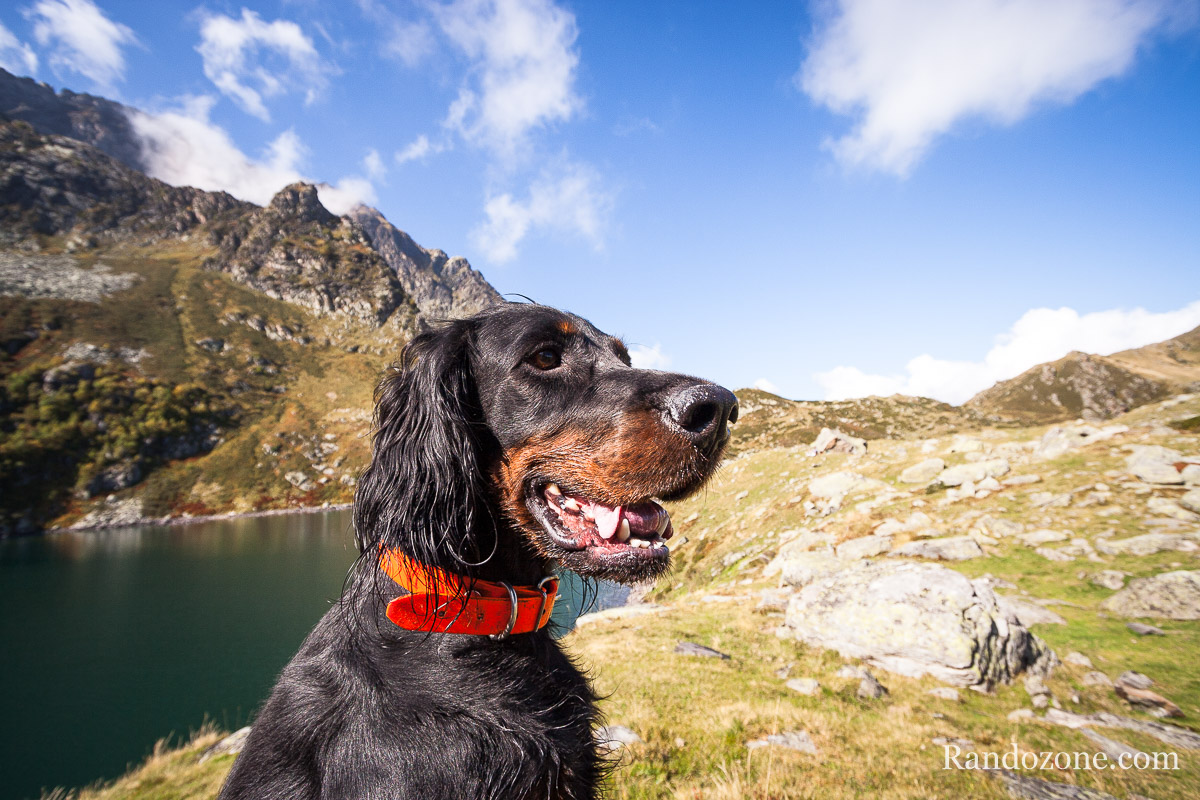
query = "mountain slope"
{"x": 1093, "y": 387}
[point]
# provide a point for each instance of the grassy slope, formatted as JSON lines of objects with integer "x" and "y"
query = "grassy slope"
{"x": 696, "y": 715}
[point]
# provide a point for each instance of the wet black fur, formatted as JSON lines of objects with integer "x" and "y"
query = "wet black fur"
{"x": 367, "y": 710}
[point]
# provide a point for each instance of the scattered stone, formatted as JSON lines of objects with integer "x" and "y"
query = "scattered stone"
{"x": 870, "y": 689}
{"x": 1169, "y": 508}
{"x": 850, "y": 671}
{"x": 803, "y": 568}
{"x": 693, "y": 649}
{"x": 1154, "y": 464}
{"x": 953, "y": 548}
{"x": 231, "y": 745}
{"x": 1021, "y": 714}
{"x": 773, "y": 599}
{"x": 1142, "y": 629}
{"x": 1135, "y": 679}
{"x": 834, "y": 441}
{"x": 951, "y": 741}
{"x": 1042, "y": 536}
{"x": 923, "y": 472}
{"x": 965, "y": 444}
{"x": 1058, "y": 441}
{"x": 805, "y": 686}
{"x": 1096, "y": 678}
{"x": 742, "y": 495}
{"x": 300, "y": 481}
{"x": 113, "y": 513}
{"x": 863, "y": 547}
{"x": 1028, "y": 613}
{"x": 944, "y": 693}
{"x": 791, "y": 740}
{"x": 1050, "y": 554}
{"x": 1144, "y": 698}
{"x": 1109, "y": 578}
{"x": 1050, "y": 500}
{"x": 1110, "y": 747}
{"x": 1191, "y": 501}
{"x": 1170, "y": 734}
{"x": 1022, "y": 480}
{"x": 1026, "y": 788}
{"x": 1000, "y": 528}
{"x": 1078, "y": 659}
{"x": 211, "y": 345}
{"x": 610, "y": 738}
{"x": 838, "y": 484}
{"x": 956, "y": 476}
{"x": 1169, "y": 595}
{"x": 916, "y": 619}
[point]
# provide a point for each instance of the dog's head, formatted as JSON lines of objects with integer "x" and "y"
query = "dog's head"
{"x": 523, "y": 435}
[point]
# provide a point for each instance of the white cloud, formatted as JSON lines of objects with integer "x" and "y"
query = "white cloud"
{"x": 373, "y": 165}
{"x": 418, "y": 150}
{"x": 183, "y": 148}
{"x": 410, "y": 41}
{"x": 234, "y": 50}
{"x": 909, "y": 71}
{"x": 765, "y": 385}
{"x": 1040, "y": 335}
{"x": 522, "y": 76}
{"x": 16, "y": 56}
{"x": 570, "y": 200}
{"x": 644, "y": 357}
{"x": 81, "y": 39}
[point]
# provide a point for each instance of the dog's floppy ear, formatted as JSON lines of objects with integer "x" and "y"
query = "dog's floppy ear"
{"x": 423, "y": 491}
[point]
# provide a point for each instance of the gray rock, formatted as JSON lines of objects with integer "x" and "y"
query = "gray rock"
{"x": 1170, "y": 734}
{"x": 863, "y": 547}
{"x": 1050, "y": 500}
{"x": 803, "y": 568}
{"x": 791, "y": 740}
{"x": 113, "y": 513}
{"x": 1042, "y": 536}
{"x": 1028, "y": 613}
{"x": 1050, "y": 554}
{"x": 1021, "y": 715}
{"x": 1109, "y": 578}
{"x": 300, "y": 481}
{"x": 870, "y": 688}
{"x": 805, "y": 686}
{"x": 231, "y": 745}
{"x": 916, "y": 619}
{"x": 1096, "y": 678}
{"x": 1110, "y": 747}
{"x": 923, "y": 472}
{"x": 1169, "y": 595}
{"x": 1147, "y": 544}
{"x": 837, "y": 484}
{"x": 956, "y": 476}
{"x": 614, "y": 737}
{"x": 1027, "y": 788}
{"x": 1078, "y": 659}
{"x": 1142, "y": 629}
{"x": 774, "y": 599}
{"x": 693, "y": 649}
{"x": 850, "y": 671}
{"x": 953, "y": 548}
{"x": 1000, "y": 528}
{"x": 944, "y": 693}
{"x": 1169, "y": 508}
{"x": 1135, "y": 679}
{"x": 1191, "y": 500}
{"x": 1153, "y": 702}
{"x": 1154, "y": 464}
{"x": 834, "y": 441}
{"x": 1022, "y": 480}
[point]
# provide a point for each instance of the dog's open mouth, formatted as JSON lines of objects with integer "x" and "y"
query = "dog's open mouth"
{"x": 578, "y": 523}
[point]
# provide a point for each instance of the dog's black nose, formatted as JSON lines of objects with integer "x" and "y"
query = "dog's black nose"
{"x": 702, "y": 412}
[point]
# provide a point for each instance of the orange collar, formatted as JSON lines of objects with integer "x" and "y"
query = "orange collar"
{"x": 492, "y": 608}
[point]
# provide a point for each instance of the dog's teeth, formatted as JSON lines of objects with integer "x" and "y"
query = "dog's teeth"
{"x": 571, "y": 503}
{"x": 664, "y": 520}
{"x": 589, "y": 514}
{"x": 553, "y": 489}
{"x": 623, "y": 531}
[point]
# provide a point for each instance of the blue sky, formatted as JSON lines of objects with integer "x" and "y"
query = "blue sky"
{"x": 830, "y": 199}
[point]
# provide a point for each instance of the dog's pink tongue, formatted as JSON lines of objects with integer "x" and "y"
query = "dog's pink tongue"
{"x": 608, "y": 519}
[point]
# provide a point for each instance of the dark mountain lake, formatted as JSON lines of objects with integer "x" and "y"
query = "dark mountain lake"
{"x": 111, "y": 640}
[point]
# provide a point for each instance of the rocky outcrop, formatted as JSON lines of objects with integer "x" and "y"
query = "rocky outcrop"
{"x": 917, "y": 619}
{"x": 440, "y": 286}
{"x": 1170, "y": 595}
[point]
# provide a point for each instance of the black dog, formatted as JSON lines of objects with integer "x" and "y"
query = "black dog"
{"x": 504, "y": 443}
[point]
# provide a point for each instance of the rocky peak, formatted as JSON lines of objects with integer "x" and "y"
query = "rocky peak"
{"x": 441, "y": 287}
{"x": 299, "y": 202}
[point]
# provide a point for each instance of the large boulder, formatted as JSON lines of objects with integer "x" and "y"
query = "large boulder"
{"x": 917, "y": 619}
{"x": 834, "y": 441}
{"x": 923, "y": 471}
{"x": 1161, "y": 465}
{"x": 974, "y": 472}
{"x": 1169, "y": 595}
{"x": 950, "y": 548}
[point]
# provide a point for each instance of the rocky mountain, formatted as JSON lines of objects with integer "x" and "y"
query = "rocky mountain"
{"x": 166, "y": 351}
{"x": 97, "y": 121}
{"x": 439, "y": 285}
{"x": 1095, "y": 387}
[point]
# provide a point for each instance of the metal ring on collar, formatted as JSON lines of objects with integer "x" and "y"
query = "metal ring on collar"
{"x": 545, "y": 596}
{"x": 512, "y": 616}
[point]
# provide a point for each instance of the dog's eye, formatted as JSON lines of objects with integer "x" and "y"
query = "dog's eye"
{"x": 546, "y": 358}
